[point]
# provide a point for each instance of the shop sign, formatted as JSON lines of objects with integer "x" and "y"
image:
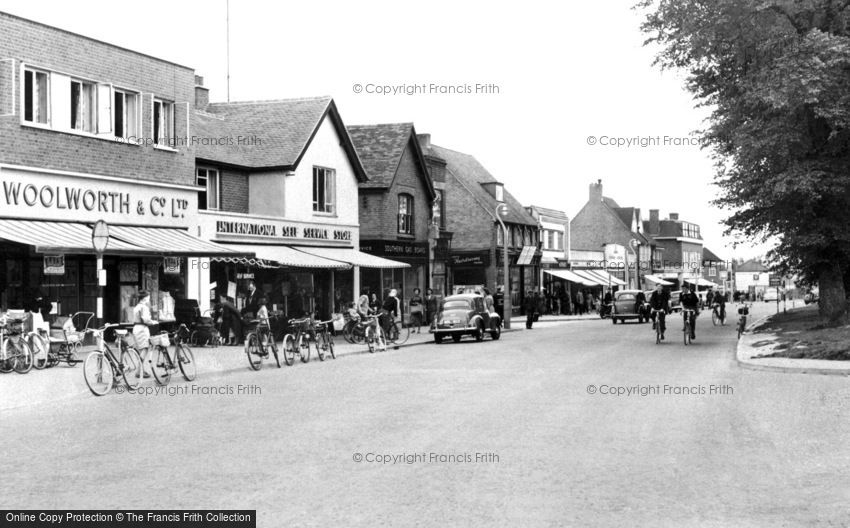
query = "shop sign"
{"x": 171, "y": 265}
{"x": 614, "y": 256}
{"x": 526, "y": 256}
{"x": 476, "y": 259}
{"x": 54, "y": 264}
{"x": 400, "y": 248}
{"x": 278, "y": 230}
{"x": 45, "y": 196}
{"x": 244, "y": 275}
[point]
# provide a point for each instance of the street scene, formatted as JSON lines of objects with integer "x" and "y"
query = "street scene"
{"x": 513, "y": 275}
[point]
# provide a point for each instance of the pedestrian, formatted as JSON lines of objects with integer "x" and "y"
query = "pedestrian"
{"x": 579, "y": 302}
{"x": 499, "y": 301}
{"x": 375, "y": 303}
{"x": 416, "y": 306}
{"x": 489, "y": 303}
{"x": 141, "y": 332}
{"x": 530, "y": 308}
{"x": 251, "y": 306}
{"x": 566, "y": 302}
{"x": 589, "y": 301}
{"x": 430, "y": 307}
{"x": 542, "y": 301}
{"x": 231, "y": 321}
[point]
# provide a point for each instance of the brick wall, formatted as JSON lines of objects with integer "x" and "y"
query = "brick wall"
{"x": 471, "y": 224}
{"x": 371, "y": 214}
{"x": 596, "y": 225}
{"x": 70, "y": 54}
{"x": 234, "y": 191}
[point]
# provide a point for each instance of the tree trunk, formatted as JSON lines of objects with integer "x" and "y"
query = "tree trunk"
{"x": 833, "y": 302}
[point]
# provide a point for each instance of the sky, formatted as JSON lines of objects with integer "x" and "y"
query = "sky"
{"x": 549, "y": 96}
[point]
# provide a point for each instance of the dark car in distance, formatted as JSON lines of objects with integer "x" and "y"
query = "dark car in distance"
{"x": 465, "y": 314}
{"x": 624, "y": 307}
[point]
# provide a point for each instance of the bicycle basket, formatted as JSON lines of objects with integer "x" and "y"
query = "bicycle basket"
{"x": 160, "y": 340}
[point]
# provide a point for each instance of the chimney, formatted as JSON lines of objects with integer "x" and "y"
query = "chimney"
{"x": 202, "y": 95}
{"x": 674, "y": 216}
{"x": 596, "y": 191}
{"x": 424, "y": 142}
{"x": 654, "y": 222}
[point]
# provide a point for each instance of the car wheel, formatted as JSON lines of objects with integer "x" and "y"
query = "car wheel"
{"x": 438, "y": 338}
{"x": 613, "y": 320}
{"x": 457, "y": 337}
{"x": 496, "y": 332}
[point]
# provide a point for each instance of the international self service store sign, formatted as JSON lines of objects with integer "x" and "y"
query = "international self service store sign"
{"x": 41, "y": 195}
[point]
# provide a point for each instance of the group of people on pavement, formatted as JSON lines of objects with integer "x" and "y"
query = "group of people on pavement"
{"x": 421, "y": 310}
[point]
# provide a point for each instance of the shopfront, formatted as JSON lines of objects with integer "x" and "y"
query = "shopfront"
{"x": 46, "y": 240}
{"x": 300, "y": 267}
{"x": 381, "y": 280}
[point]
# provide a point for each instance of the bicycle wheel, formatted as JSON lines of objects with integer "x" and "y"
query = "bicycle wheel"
{"x": 289, "y": 349}
{"x": 658, "y": 334}
{"x": 370, "y": 339}
{"x": 23, "y": 356}
{"x": 380, "y": 340}
{"x": 347, "y": 331}
{"x": 392, "y": 334}
{"x": 40, "y": 351}
{"x": 714, "y": 318}
{"x": 162, "y": 365}
{"x": 7, "y": 362}
{"x": 304, "y": 348}
{"x": 131, "y": 368}
{"x": 320, "y": 344}
{"x": 186, "y": 362}
{"x": 330, "y": 343}
{"x": 98, "y": 374}
{"x": 687, "y": 333}
{"x": 252, "y": 350}
{"x": 402, "y": 333}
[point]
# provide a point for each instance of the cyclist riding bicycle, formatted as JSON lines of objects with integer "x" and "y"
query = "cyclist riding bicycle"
{"x": 720, "y": 301}
{"x": 690, "y": 301}
{"x": 659, "y": 303}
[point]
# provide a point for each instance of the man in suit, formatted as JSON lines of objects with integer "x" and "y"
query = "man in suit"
{"x": 251, "y": 300}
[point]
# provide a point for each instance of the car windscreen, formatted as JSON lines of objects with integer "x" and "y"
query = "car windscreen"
{"x": 626, "y": 297}
{"x": 456, "y": 305}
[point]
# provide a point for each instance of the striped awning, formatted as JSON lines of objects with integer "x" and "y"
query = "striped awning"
{"x": 658, "y": 280}
{"x": 289, "y": 257}
{"x": 168, "y": 241}
{"x": 56, "y": 237}
{"x": 353, "y": 257}
{"x": 606, "y": 277}
{"x": 596, "y": 280}
{"x": 570, "y": 276}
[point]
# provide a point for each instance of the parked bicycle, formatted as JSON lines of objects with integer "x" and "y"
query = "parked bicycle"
{"x": 718, "y": 314}
{"x": 15, "y": 354}
{"x": 688, "y": 331}
{"x": 165, "y": 363}
{"x": 375, "y": 338}
{"x": 397, "y": 333}
{"x": 354, "y": 330}
{"x": 324, "y": 339}
{"x": 259, "y": 343}
{"x": 743, "y": 312}
{"x": 299, "y": 342}
{"x": 102, "y": 368}
{"x": 40, "y": 346}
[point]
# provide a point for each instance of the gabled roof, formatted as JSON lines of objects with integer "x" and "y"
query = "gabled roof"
{"x": 380, "y": 149}
{"x": 622, "y": 214}
{"x": 553, "y": 214}
{"x": 283, "y": 129}
{"x": 610, "y": 202}
{"x": 471, "y": 174}
{"x": 752, "y": 265}
{"x": 709, "y": 255}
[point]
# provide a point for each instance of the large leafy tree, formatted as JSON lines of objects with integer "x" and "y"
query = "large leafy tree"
{"x": 776, "y": 76}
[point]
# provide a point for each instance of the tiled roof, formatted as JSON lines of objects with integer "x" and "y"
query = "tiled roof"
{"x": 610, "y": 202}
{"x": 380, "y": 148}
{"x": 283, "y": 129}
{"x": 708, "y": 254}
{"x": 471, "y": 174}
{"x": 554, "y": 214}
{"x": 752, "y": 265}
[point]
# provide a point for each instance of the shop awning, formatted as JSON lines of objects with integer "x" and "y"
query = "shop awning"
{"x": 596, "y": 280}
{"x": 606, "y": 277}
{"x": 570, "y": 276}
{"x": 288, "y": 256}
{"x": 353, "y": 257}
{"x": 701, "y": 282}
{"x": 56, "y": 237}
{"x": 657, "y": 280}
{"x": 169, "y": 241}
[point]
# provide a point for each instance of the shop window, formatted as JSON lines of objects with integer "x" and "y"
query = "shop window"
{"x": 324, "y": 190}
{"x": 83, "y": 106}
{"x": 405, "y": 214}
{"x": 209, "y": 182}
{"x": 163, "y": 123}
{"x": 125, "y": 114}
{"x": 35, "y": 97}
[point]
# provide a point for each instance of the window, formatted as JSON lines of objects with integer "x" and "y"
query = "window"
{"x": 35, "y": 97}
{"x": 440, "y": 210}
{"x": 405, "y": 214}
{"x": 126, "y": 110}
{"x": 163, "y": 123}
{"x": 500, "y": 236}
{"x": 712, "y": 271}
{"x": 500, "y": 193}
{"x": 83, "y": 106}
{"x": 549, "y": 239}
{"x": 208, "y": 180}
{"x": 324, "y": 190}
{"x": 755, "y": 277}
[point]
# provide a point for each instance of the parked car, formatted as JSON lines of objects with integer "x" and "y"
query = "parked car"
{"x": 465, "y": 314}
{"x": 624, "y": 307}
{"x": 771, "y": 295}
{"x": 811, "y": 297}
{"x": 675, "y": 301}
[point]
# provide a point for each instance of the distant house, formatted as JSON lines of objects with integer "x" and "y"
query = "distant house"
{"x": 678, "y": 255}
{"x": 752, "y": 277}
{"x": 714, "y": 270}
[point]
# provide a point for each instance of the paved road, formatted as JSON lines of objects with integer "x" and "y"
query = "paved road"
{"x": 767, "y": 450}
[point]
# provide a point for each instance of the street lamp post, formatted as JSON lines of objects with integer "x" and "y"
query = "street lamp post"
{"x": 501, "y": 209}
{"x": 633, "y": 244}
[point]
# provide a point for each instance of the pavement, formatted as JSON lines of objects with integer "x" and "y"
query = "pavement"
{"x": 578, "y": 423}
{"x": 754, "y": 343}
